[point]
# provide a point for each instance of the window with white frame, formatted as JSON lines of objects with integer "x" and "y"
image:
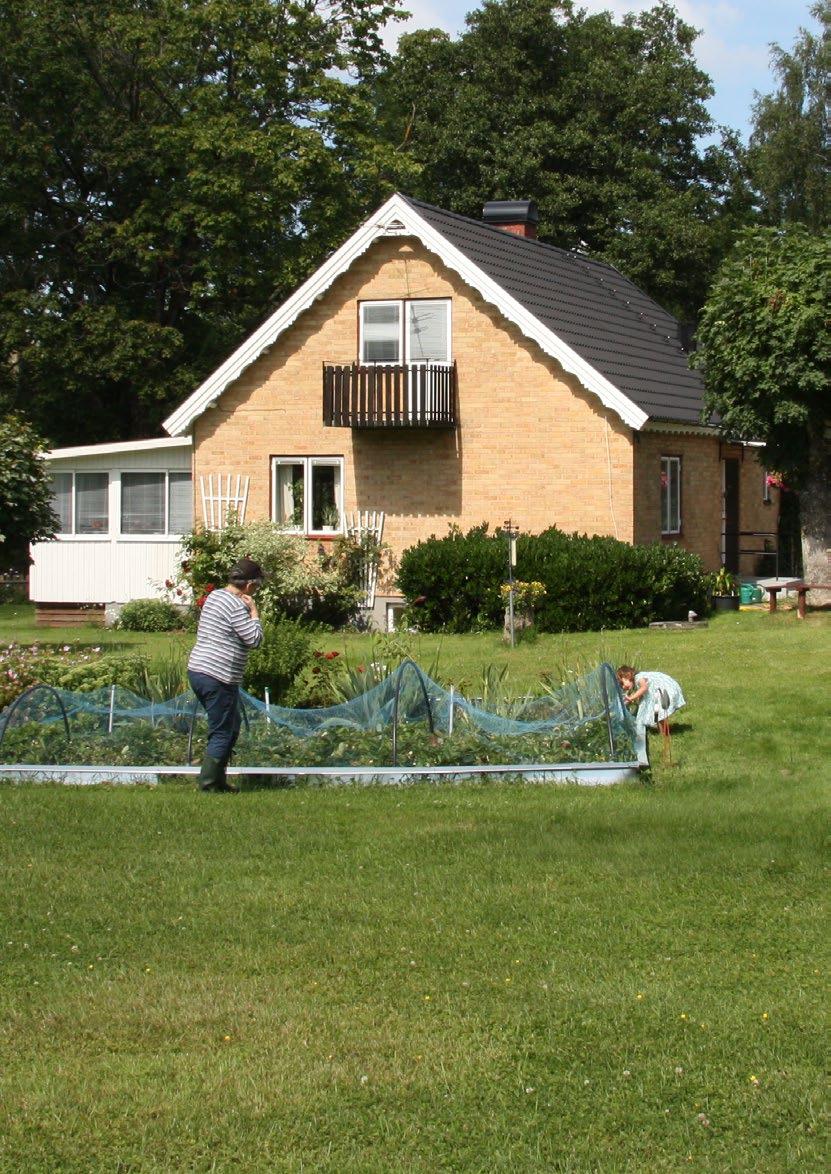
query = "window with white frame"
{"x": 670, "y": 495}
{"x": 416, "y": 331}
{"x": 307, "y": 494}
{"x": 156, "y": 503}
{"x": 81, "y": 502}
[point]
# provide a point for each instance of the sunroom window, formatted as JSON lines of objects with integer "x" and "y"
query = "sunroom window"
{"x": 670, "y": 495}
{"x": 156, "y": 503}
{"x": 416, "y": 331}
{"x": 307, "y": 494}
{"x": 81, "y": 502}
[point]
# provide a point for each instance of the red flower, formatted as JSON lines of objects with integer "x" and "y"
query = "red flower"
{"x": 209, "y": 588}
{"x": 332, "y": 655}
{"x": 360, "y": 669}
{"x": 201, "y": 600}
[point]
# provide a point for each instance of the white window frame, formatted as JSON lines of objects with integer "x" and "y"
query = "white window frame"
{"x": 671, "y": 470}
{"x": 73, "y": 534}
{"x": 310, "y": 463}
{"x": 404, "y": 306}
{"x": 126, "y": 535}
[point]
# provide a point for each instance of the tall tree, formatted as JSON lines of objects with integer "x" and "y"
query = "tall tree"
{"x": 600, "y": 122}
{"x": 169, "y": 169}
{"x": 790, "y": 148}
{"x": 26, "y": 513}
{"x": 765, "y": 348}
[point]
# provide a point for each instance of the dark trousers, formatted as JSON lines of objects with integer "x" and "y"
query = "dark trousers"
{"x": 221, "y": 704}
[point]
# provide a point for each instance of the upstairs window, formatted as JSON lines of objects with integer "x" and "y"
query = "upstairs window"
{"x": 307, "y": 494}
{"x": 670, "y": 495}
{"x": 405, "y": 331}
{"x": 156, "y": 503}
{"x": 82, "y": 502}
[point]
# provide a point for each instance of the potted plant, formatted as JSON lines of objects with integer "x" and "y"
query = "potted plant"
{"x": 725, "y": 590}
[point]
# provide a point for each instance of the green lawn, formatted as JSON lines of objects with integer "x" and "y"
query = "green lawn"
{"x": 441, "y": 978}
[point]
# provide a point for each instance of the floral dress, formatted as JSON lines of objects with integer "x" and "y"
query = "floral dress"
{"x": 662, "y": 697}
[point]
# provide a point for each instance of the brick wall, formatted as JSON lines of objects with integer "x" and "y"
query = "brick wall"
{"x": 701, "y": 494}
{"x": 531, "y": 443}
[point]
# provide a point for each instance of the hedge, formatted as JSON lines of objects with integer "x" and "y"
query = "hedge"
{"x": 452, "y": 583}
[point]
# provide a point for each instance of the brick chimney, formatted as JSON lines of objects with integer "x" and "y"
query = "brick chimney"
{"x": 518, "y": 216}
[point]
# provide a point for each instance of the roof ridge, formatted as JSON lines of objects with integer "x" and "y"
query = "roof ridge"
{"x": 574, "y": 255}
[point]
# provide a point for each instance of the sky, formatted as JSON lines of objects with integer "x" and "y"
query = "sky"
{"x": 733, "y": 48}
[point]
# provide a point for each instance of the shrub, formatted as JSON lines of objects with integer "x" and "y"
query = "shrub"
{"x": 299, "y": 582}
{"x": 66, "y": 667}
{"x": 150, "y": 615}
{"x": 83, "y": 675}
{"x": 453, "y": 584}
{"x": 284, "y": 653}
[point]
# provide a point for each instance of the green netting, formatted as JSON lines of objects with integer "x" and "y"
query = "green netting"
{"x": 407, "y": 719}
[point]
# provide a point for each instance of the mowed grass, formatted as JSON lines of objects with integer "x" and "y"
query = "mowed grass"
{"x": 441, "y": 978}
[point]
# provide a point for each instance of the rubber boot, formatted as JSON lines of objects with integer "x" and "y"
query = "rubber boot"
{"x": 211, "y": 774}
{"x": 223, "y": 784}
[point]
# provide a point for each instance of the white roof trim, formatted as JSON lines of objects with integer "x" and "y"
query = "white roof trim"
{"x": 120, "y": 446}
{"x": 395, "y": 218}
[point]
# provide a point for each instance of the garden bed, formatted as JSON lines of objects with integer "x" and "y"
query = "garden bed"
{"x": 405, "y": 728}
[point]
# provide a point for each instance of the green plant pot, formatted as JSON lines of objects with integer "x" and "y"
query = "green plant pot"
{"x": 726, "y": 602}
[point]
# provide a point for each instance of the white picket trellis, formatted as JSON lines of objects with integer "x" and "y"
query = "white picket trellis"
{"x": 223, "y": 497}
{"x": 362, "y": 522}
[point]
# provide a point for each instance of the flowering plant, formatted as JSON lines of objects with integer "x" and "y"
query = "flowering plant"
{"x": 775, "y": 481}
{"x": 724, "y": 583}
{"x": 526, "y": 595}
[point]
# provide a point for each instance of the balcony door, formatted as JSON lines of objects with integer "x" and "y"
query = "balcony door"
{"x": 415, "y": 334}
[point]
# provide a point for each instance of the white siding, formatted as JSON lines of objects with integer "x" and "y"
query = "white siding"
{"x": 100, "y": 570}
{"x": 108, "y": 569}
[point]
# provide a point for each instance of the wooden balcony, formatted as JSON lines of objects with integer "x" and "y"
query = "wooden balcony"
{"x": 415, "y": 395}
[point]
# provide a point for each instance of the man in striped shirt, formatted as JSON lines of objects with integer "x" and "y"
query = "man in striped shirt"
{"x": 229, "y": 627}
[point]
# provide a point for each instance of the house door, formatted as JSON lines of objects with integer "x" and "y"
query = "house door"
{"x": 730, "y": 514}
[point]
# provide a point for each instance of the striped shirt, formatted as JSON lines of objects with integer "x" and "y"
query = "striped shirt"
{"x": 224, "y": 637}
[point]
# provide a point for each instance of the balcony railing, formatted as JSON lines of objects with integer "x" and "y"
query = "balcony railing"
{"x": 407, "y": 395}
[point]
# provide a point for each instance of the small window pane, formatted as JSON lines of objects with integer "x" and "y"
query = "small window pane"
{"x": 62, "y": 501}
{"x": 288, "y": 495}
{"x": 142, "y": 503}
{"x": 91, "y": 503}
{"x": 381, "y": 333}
{"x": 180, "y": 512}
{"x": 325, "y": 495}
{"x": 428, "y": 332}
{"x": 670, "y": 495}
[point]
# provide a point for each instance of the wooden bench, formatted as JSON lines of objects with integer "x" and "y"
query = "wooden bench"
{"x": 802, "y": 590}
{"x": 774, "y": 589}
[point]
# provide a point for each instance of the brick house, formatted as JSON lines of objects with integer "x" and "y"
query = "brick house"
{"x": 439, "y": 369}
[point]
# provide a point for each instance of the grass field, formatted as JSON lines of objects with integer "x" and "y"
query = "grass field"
{"x": 467, "y": 978}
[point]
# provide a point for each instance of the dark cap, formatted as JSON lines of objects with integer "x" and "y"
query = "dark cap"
{"x": 245, "y": 570}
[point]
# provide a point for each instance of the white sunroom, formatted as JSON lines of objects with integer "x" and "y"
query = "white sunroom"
{"x": 123, "y": 508}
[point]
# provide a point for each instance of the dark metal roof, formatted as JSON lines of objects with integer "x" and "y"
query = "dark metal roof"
{"x": 626, "y": 336}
